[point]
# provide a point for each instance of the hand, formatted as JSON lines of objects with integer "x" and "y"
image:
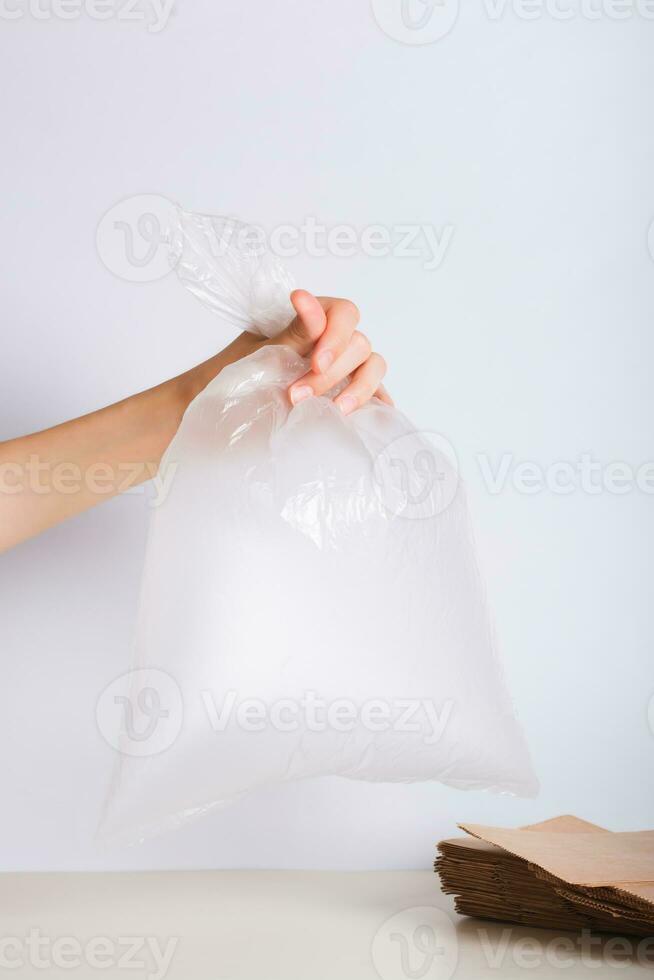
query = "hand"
{"x": 326, "y": 329}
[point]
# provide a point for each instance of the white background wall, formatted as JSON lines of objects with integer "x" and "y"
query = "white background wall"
{"x": 533, "y": 140}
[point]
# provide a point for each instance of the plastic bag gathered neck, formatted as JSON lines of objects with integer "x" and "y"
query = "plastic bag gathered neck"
{"x": 226, "y": 265}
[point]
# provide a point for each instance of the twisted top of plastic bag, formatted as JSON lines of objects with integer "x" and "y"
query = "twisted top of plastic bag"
{"x": 228, "y": 266}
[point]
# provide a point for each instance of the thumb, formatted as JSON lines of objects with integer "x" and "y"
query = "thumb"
{"x": 304, "y": 330}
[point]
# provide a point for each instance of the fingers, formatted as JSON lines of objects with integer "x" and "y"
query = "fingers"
{"x": 326, "y": 329}
{"x": 342, "y": 320}
{"x": 384, "y": 397}
{"x": 317, "y": 383}
{"x": 304, "y": 330}
{"x": 364, "y": 383}
{"x": 323, "y": 326}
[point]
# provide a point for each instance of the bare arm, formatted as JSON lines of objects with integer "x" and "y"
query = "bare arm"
{"x": 48, "y": 476}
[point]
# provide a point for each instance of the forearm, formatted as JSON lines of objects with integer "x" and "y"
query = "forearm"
{"x": 48, "y": 476}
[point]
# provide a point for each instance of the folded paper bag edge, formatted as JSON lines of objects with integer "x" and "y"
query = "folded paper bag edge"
{"x": 567, "y": 823}
{"x": 579, "y": 857}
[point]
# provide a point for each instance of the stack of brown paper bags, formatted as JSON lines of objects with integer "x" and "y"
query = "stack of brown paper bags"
{"x": 564, "y": 873}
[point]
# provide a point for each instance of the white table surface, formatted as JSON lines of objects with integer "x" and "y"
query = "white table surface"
{"x": 275, "y": 925}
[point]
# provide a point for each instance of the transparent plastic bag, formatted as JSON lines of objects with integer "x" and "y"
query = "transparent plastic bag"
{"x": 311, "y": 602}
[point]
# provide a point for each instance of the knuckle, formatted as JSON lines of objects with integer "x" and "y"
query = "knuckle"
{"x": 362, "y": 344}
{"x": 296, "y": 329}
{"x": 351, "y": 309}
{"x": 381, "y": 363}
{"x": 316, "y": 383}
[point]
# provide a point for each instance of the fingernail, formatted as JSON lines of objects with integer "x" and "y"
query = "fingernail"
{"x": 300, "y": 393}
{"x": 347, "y": 404}
{"x": 325, "y": 360}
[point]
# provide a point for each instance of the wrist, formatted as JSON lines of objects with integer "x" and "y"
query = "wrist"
{"x": 192, "y": 382}
{"x": 195, "y": 380}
